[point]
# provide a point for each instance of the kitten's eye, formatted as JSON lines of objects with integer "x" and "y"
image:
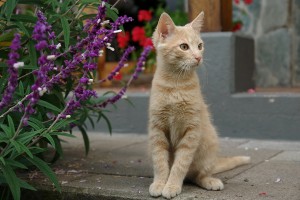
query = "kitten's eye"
{"x": 184, "y": 46}
{"x": 200, "y": 46}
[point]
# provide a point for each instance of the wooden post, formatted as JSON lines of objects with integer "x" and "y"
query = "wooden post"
{"x": 226, "y": 15}
{"x": 217, "y": 14}
{"x": 212, "y": 14}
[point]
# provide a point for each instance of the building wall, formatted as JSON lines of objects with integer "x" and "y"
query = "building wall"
{"x": 275, "y": 26}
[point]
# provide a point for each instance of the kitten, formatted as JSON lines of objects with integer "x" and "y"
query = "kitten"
{"x": 182, "y": 138}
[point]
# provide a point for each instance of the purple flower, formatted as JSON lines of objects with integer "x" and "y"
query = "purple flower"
{"x": 12, "y": 70}
{"x": 138, "y": 69}
{"x": 141, "y": 62}
{"x": 43, "y": 34}
{"x": 41, "y": 28}
{"x": 121, "y": 63}
{"x": 81, "y": 95}
{"x": 90, "y": 66}
{"x": 41, "y": 45}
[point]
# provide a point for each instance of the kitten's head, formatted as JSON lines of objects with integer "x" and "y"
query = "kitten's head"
{"x": 180, "y": 47}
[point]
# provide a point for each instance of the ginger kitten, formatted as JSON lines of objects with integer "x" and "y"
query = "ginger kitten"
{"x": 182, "y": 138}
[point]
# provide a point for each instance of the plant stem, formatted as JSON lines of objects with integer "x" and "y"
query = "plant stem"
{"x": 25, "y": 75}
{"x": 72, "y": 22}
{"x": 48, "y": 129}
{"x": 115, "y": 3}
{"x": 11, "y": 108}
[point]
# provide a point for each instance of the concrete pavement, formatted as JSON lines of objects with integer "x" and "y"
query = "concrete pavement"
{"x": 118, "y": 167}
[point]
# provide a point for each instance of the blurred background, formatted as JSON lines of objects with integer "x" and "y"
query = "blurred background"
{"x": 274, "y": 26}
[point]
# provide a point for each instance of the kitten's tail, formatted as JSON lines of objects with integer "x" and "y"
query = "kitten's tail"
{"x": 228, "y": 163}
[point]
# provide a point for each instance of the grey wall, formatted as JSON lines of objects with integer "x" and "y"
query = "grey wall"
{"x": 235, "y": 114}
{"x": 275, "y": 26}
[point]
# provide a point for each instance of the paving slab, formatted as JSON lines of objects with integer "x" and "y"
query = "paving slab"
{"x": 118, "y": 167}
{"x": 272, "y": 144}
{"x": 288, "y": 156}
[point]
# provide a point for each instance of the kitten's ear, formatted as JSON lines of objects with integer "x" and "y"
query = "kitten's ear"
{"x": 197, "y": 23}
{"x": 165, "y": 27}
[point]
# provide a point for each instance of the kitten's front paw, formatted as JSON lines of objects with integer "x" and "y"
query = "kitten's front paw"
{"x": 211, "y": 183}
{"x": 171, "y": 191}
{"x": 156, "y": 189}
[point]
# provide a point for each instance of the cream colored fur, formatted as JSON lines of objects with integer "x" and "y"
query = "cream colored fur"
{"x": 182, "y": 138}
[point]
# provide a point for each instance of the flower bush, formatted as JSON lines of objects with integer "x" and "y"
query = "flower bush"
{"x": 141, "y": 33}
{"x": 139, "y": 37}
{"x": 241, "y": 14}
{"x": 47, "y": 74}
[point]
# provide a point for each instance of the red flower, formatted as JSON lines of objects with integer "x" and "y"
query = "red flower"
{"x": 146, "y": 42}
{"x": 123, "y": 39}
{"x": 138, "y": 34}
{"x": 118, "y": 77}
{"x": 144, "y": 15}
{"x": 248, "y": 2}
{"x": 237, "y": 26}
{"x": 236, "y": 1}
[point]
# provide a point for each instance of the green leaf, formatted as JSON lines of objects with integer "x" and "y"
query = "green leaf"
{"x": 66, "y": 134}
{"x": 50, "y": 139}
{"x": 89, "y": 1}
{"x": 2, "y": 160}
{"x": 7, "y": 37}
{"x": 87, "y": 16}
{"x": 21, "y": 88}
{"x": 111, "y": 13}
{"x": 9, "y": 8}
{"x": 3, "y": 81}
{"x": 14, "y": 163}
{"x": 25, "y": 138}
{"x": 85, "y": 139}
{"x": 25, "y": 185}
{"x": 22, "y": 28}
{"x": 37, "y": 122}
{"x": 108, "y": 123}
{"x": 66, "y": 31}
{"x": 32, "y": 54}
{"x": 33, "y": 125}
{"x": 48, "y": 105}
{"x": 58, "y": 149}
{"x": 25, "y": 149}
{"x": 7, "y": 130}
{"x": 62, "y": 123}
{"x": 36, "y": 2}
{"x": 12, "y": 181}
{"x": 16, "y": 145}
{"x": 24, "y": 18}
{"x": 37, "y": 150}
{"x": 43, "y": 166}
{"x": 11, "y": 124}
{"x": 64, "y": 5}
{"x": 91, "y": 121}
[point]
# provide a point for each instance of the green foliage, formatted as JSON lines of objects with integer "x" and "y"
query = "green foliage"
{"x": 21, "y": 147}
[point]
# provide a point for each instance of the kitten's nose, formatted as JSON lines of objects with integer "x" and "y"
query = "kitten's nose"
{"x": 198, "y": 59}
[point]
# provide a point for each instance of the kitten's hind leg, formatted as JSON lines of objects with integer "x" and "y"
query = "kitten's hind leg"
{"x": 159, "y": 146}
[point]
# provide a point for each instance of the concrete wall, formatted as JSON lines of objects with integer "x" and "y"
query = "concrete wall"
{"x": 235, "y": 113}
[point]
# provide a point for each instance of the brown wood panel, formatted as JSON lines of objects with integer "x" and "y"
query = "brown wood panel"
{"x": 218, "y": 14}
{"x": 226, "y": 15}
{"x": 212, "y": 12}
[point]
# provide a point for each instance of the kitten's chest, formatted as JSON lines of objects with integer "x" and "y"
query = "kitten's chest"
{"x": 175, "y": 109}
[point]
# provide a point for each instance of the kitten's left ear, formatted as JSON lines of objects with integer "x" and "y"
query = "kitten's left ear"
{"x": 197, "y": 23}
